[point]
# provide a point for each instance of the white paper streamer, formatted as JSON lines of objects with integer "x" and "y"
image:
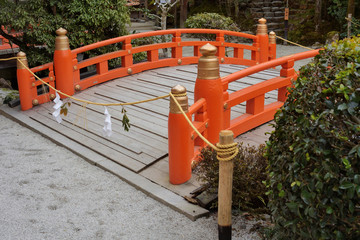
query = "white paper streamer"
{"x": 107, "y": 126}
{"x": 57, "y": 107}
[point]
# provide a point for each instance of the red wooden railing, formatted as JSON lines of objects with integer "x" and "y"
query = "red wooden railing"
{"x": 213, "y": 103}
{"x": 257, "y": 112}
{"x": 212, "y": 108}
{"x": 219, "y": 103}
{"x": 67, "y": 66}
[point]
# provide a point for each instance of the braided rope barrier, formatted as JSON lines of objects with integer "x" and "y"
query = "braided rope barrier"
{"x": 224, "y": 152}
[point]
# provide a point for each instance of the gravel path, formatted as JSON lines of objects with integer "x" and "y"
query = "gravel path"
{"x": 47, "y": 192}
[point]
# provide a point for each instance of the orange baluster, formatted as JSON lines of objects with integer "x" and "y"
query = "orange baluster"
{"x": 176, "y": 52}
{"x": 286, "y": 71}
{"x": 208, "y": 85}
{"x": 63, "y": 64}
{"x": 263, "y": 37}
{"x": 24, "y": 82}
{"x": 255, "y": 54}
{"x": 221, "y": 49}
{"x": 127, "y": 60}
{"x": 179, "y": 137}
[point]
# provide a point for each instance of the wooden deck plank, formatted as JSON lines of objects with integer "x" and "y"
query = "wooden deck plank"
{"x": 138, "y": 110}
{"x": 148, "y": 151}
{"x": 153, "y": 128}
{"x": 92, "y": 92}
{"x": 154, "y": 145}
{"x": 171, "y": 81}
{"x": 80, "y": 138}
{"x": 150, "y": 188}
{"x": 143, "y": 150}
{"x": 158, "y": 107}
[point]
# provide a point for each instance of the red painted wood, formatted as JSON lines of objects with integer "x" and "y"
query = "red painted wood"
{"x": 248, "y": 121}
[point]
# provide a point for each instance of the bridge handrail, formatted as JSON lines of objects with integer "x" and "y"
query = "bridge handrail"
{"x": 175, "y": 32}
{"x": 270, "y": 64}
{"x": 212, "y": 89}
{"x": 257, "y": 112}
{"x": 68, "y": 67}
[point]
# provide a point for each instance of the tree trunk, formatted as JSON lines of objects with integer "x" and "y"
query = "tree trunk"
{"x": 350, "y": 8}
{"x": 175, "y": 16}
{"x": 163, "y": 20}
{"x": 237, "y": 10}
{"x": 317, "y": 14}
{"x": 183, "y": 12}
{"x": 163, "y": 27}
{"x": 228, "y": 7}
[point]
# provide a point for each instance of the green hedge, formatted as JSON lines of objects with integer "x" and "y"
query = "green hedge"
{"x": 210, "y": 21}
{"x": 314, "y": 152}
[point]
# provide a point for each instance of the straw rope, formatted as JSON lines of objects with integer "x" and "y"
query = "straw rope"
{"x": 294, "y": 43}
{"x": 86, "y": 101}
{"x": 352, "y": 21}
{"x": 224, "y": 152}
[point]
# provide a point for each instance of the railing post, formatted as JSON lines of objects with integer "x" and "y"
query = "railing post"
{"x": 208, "y": 85}
{"x": 225, "y": 189}
{"x": 63, "y": 64}
{"x": 286, "y": 71}
{"x": 153, "y": 55}
{"x": 24, "y": 82}
{"x": 227, "y": 109}
{"x": 263, "y": 40}
{"x": 255, "y": 54}
{"x": 127, "y": 60}
{"x": 221, "y": 49}
{"x": 255, "y": 105}
{"x": 179, "y": 137}
{"x": 176, "y": 52}
{"x": 272, "y": 45}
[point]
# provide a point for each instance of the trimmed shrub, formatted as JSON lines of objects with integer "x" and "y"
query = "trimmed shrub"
{"x": 210, "y": 21}
{"x": 249, "y": 173}
{"x": 314, "y": 152}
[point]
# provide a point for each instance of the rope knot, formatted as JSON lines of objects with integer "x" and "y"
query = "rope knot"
{"x": 179, "y": 94}
{"x": 223, "y": 151}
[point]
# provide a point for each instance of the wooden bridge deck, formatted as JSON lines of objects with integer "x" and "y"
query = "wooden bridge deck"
{"x": 140, "y": 155}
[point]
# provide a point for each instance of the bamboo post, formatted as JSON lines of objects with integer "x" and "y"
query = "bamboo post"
{"x": 209, "y": 86}
{"x": 349, "y": 25}
{"x": 63, "y": 64}
{"x": 179, "y": 137}
{"x": 24, "y": 82}
{"x": 263, "y": 37}
{"x": 225, "y": 189}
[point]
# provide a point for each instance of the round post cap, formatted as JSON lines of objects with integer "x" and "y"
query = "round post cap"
{"x": 208, "y": 50}
{"x": 22, "y": 59}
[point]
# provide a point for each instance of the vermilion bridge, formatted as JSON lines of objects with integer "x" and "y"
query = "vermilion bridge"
{"x": 244, "y": 94}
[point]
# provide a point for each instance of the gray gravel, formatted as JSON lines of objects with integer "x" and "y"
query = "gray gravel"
{"x": 47, "y": 192}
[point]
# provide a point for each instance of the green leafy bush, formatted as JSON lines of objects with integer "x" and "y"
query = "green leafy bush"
{"x": 249, "y": 173}
{"x": 314, "y": 152}
{"x": 210, "y": 21}
{"x": 86, "y": 22}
